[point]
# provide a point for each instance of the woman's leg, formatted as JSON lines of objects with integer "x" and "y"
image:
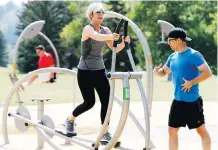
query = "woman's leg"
{"x": 87, "y": 89}
{"x": 102, "y": 87}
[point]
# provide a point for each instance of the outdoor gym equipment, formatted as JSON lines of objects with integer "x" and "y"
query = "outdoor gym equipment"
{"x": 41, "y": 126}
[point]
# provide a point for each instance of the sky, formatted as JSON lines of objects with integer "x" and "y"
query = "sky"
{"x": 18, "y": 2}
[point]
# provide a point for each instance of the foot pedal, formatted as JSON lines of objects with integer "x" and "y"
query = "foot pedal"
{"x": 106, "y": 142}
{"x": 70, "y": 135}
{"x": 118, "y": 144}
{"x": 61, "y": 129}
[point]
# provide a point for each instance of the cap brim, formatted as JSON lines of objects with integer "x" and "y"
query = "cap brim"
{"x": 188, "y": 39}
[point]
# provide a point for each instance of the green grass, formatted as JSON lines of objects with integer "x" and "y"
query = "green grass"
{"x": 61, "y": 91}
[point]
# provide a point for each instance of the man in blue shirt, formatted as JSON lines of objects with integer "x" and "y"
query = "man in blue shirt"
{"x": 188, "y": 68}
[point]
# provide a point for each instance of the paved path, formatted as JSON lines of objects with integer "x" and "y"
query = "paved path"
{"x": 88, "y": 126}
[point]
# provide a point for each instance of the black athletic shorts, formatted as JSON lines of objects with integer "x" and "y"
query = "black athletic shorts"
{"x": 186, "y": 113}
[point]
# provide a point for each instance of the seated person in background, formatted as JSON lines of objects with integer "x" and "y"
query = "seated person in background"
{"x": 45, "y": 60}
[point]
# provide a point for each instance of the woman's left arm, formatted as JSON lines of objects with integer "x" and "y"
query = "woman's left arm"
{"x": 110, "y": 42}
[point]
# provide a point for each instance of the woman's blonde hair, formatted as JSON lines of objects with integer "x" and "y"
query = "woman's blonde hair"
{"x": 93, "y": 7}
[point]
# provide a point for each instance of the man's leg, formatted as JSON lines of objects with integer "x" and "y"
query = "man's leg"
{"x": 196, "y": 121}
{"x": 205, "y": 137}
{"x": 29, "y": 82}
{"x": 173, "y": 138}
{"x": 176, "y": 120}
{"x": 32, "y": 80}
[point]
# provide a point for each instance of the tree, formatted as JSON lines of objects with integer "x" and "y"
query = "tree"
{"x": 3, "y": 53}
{"x": 197, "y": 18}
{"x": 56, "y": 16}
{"x": 72, "y": 32}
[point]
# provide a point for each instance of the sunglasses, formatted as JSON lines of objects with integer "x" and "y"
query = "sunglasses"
{"x": 99, "y": 12}
{"x": 170, "y": 39}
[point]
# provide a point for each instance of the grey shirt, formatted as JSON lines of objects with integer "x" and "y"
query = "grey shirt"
{"x": 91, "y": 54}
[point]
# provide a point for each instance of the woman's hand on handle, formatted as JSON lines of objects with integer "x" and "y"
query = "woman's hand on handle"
{"x": 116, "y": 36}
{"x": 122, "y": 44}
{"x": 127, "y": 39}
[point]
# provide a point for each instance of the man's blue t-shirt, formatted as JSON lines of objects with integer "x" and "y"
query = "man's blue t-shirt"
{"x": 184, "y": 65}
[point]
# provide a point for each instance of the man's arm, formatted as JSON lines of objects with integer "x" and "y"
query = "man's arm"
{"x": 203, "y": 67}
{"x": 161, "y": 71}
{"x": 165, "y": 70}
{"x": 205, "y": 74}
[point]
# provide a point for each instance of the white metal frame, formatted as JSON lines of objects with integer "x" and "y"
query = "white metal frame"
{"x": 147, "y": 102}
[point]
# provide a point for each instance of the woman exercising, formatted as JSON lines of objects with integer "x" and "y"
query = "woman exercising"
{"x": 91, "y": 69}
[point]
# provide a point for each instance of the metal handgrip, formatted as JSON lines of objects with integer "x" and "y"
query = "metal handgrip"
{"x": 118, "y": 30}
{"x": 125, "y": 34}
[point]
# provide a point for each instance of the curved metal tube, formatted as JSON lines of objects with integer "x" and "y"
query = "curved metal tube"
{"x": 137, "y": 123}
{"x": 15, "y": 53}
{"x": 120, "y": 127}
{"x": 14, "y": 66}
{"x": 144, "y": 101}
{"x": 112, "y": 88}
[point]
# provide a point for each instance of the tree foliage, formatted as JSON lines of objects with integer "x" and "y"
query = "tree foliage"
{"x": 3, "y": 53}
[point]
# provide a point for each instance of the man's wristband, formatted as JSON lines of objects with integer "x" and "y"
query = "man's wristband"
{"x": 162, "y": 70}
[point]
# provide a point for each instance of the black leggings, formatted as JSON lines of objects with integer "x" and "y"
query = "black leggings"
{"x": 88, "y": 81}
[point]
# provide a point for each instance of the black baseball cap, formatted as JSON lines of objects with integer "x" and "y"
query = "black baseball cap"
{"x": 179, "y": 33}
